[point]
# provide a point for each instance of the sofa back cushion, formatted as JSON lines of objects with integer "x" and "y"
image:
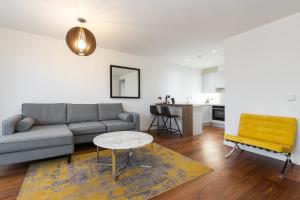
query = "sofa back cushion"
{"x": 46, "y": 114}
{"x": 82, "y": 113}
{"x": 108, "y": 111}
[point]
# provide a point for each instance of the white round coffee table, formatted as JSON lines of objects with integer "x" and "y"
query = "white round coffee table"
{"x": 121, "y": 140}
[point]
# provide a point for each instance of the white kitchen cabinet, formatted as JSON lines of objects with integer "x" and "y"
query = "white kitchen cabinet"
{"x": 220, "y": 80}
{"x": 209, "y": 82}
{"x": 207, "y": 114}
{"x": 212, "y": 80}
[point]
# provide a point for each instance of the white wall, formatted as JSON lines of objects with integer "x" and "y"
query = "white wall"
{"x": 35, "y": 68}
{"x": 262, "y": 67}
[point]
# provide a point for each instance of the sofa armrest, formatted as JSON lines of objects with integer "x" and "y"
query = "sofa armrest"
{"x": 136, "y": 120}
{"x": 9, "y": 125}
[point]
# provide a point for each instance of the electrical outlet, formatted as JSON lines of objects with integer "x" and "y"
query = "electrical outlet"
{"x": 291, "y": 97}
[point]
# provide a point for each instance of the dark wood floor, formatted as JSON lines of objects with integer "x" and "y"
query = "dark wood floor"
{"x": 243, "y": 176}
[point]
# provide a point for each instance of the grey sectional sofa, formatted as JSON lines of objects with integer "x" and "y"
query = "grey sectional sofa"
{"x": 57, "y": 127}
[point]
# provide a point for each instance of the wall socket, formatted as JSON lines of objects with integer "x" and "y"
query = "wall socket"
{"x": 291, "y": 97}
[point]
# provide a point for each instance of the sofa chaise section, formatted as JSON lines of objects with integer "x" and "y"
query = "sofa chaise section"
{"x": 49, "y": 136}
{"x": 38, "y": 137}
{"x": 40, "y": 142}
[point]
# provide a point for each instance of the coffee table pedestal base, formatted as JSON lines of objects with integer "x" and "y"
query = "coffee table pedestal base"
{"x": 126, "y": 165}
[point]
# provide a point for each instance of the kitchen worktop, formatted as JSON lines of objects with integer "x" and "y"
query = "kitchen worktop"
{"x": 213, "y": 104}
{"x": 189, "y": 104}
{"x": 178, "y": 104}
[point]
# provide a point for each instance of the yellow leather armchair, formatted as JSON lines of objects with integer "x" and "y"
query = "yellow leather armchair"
{"x": 271, "y": 133}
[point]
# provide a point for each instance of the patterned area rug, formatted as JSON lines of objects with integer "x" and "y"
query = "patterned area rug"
{"x": 84, "y": 178}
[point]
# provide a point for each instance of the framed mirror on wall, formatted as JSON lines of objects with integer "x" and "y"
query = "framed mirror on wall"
{"x": 124, "y": 82}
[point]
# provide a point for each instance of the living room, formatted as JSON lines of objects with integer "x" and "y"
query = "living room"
{"x": 229, "y": 87}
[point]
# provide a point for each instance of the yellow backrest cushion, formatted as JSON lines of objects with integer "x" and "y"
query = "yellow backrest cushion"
{"x": 280, "y": 130}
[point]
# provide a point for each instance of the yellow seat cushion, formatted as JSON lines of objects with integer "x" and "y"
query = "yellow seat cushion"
{"x": 280, "y": 148}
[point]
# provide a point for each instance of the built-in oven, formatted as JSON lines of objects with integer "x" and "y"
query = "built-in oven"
{"x": 218, "y": 113}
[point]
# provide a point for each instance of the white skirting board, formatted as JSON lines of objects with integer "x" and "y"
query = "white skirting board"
{"x": 217, "y": 125}
{"x": 214, "y": 124}
{"x": 261, "y": 152}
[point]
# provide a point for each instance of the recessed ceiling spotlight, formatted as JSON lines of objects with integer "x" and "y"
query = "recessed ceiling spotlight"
{"x": 187, "y": 60}
{"x": 214, "y": 51}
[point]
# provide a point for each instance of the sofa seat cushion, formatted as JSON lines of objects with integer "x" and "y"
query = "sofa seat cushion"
{"x": 87, "y": 128}
{"x": 118, "y": 125}
{"x": 259, "y": 143}
{"x": 38, "y": 137}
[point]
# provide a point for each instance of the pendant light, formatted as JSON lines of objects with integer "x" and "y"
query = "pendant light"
{"x": 80, "y": 40}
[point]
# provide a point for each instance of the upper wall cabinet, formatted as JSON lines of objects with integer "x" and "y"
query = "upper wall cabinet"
{"x": 208, "y": 82}
{"x": 220, "y": 80}
{"x": 212, "y": 80}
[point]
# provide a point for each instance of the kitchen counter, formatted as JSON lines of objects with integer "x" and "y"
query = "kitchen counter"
{"x": 190, "y": 104}
{"x": 212, "y": 104}
{"x": 178, "y": 104}
{"x": 190, "y": 117}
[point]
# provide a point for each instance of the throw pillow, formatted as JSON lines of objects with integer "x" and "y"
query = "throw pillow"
{"x": 126, "y": 117}
{"x": 24, "y": 124}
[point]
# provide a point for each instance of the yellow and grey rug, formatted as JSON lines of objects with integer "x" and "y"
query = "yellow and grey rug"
{"x": 85, "y": 179}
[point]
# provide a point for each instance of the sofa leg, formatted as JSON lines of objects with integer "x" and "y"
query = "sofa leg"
{"x": 287, "y": 161}
{"x": 70, "y": 158}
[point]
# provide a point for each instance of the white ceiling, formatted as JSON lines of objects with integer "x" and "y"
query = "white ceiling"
{"x": 172, "y": 30}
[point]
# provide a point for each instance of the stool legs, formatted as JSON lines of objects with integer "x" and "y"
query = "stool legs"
{"x": 159, "y": 127}
{"x": 152, "y": 123}
{"x": 178, "y": 127}
{"x": 164, "y": 127}
{"x": 170, "y": 129}
{"x": 171, "y": 125}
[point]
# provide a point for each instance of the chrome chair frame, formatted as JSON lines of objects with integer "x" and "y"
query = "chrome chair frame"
{"x": 287, "y": 155}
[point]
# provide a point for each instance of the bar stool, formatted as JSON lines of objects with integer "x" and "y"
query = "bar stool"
{"x": 154, "y": 111}
{"x": 165, "y": 112}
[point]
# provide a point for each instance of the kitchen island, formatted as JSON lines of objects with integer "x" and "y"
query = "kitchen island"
{"x": 190, "y": 117}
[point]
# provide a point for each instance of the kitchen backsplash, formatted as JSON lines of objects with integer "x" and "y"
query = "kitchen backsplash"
{"x": 213, "y": 98}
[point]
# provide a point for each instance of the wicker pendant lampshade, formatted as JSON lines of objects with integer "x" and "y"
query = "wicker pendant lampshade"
{"x": 80, "y": 40}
